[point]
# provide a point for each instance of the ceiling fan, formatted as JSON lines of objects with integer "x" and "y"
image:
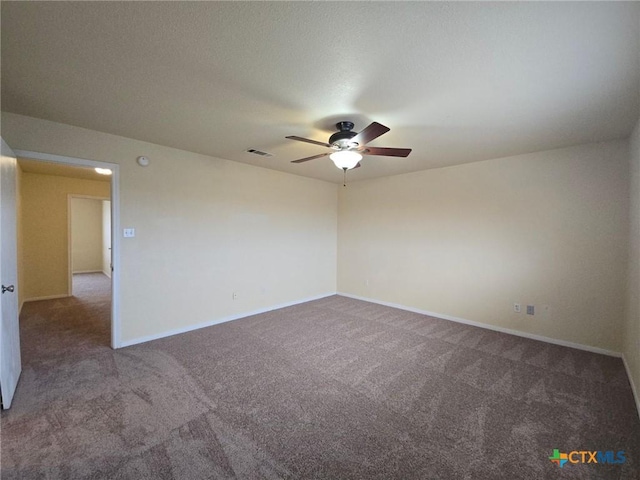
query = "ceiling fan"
{"x": 349, "y": 146}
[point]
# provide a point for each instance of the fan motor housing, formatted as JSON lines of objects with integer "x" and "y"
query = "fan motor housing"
{"x": 341, "y": 138}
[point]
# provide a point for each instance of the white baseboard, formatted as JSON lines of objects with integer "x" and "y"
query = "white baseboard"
{"x": 86, "y": 271}
{"x": 518, "y": 333}
{"x": 46, "y": 297}
{"x": 228, "y": 318}
{"x": 636, "y": 393}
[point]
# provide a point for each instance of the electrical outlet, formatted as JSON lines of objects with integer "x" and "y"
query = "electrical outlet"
{"x": 234, "y": 295}
{"x": 530, "y": 310}
{"x": 517, "y": 308}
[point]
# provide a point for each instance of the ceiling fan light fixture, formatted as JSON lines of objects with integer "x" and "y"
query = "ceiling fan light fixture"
{"x": 349, "y": 144}
{"x": 345, "y": 159}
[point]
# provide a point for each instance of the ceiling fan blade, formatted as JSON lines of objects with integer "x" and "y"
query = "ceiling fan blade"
{"x": 372, "y": 132}
{"x": 311, "y": 158}
{"x": 308, "y": 140}
{"x": 387, "y": 152}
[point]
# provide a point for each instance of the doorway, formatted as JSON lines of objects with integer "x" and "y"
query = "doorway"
{"x": 96, "y": 268}
{"x": 89, "y": 237}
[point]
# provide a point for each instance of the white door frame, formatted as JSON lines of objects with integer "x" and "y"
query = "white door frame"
{"x": 116, "y": 340}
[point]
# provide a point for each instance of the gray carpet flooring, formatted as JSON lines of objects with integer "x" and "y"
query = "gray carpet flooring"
{"x": 331, "y": 389}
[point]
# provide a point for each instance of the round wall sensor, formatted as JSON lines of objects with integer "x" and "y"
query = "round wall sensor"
{"x": 143, "y": 161}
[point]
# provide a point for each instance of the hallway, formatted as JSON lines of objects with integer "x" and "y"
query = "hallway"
{"x": 52, "y": 331}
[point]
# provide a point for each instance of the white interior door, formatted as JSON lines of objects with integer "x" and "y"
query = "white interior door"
{"x": 10, "y": 365}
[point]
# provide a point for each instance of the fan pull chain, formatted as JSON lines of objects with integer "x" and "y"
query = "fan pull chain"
{"x": 344, "y": 182}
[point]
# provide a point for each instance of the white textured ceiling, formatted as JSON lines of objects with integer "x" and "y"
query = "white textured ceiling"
{"x": 457, "y": 82}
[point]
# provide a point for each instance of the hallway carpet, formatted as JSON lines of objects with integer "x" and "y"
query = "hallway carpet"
{"x": 331, "y": 389}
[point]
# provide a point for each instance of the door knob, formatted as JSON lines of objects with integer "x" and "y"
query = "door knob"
{"x": 9, "y": 289}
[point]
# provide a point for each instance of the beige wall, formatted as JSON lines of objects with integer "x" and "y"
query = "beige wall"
{"x": 631, "y": 347}
{"x": 86, "y": 235}
{"x": 547, "y": 229}
{"x": 205, "y": 228}
{"x": 106, "y": 237}
{"x": 45, "y": 231}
